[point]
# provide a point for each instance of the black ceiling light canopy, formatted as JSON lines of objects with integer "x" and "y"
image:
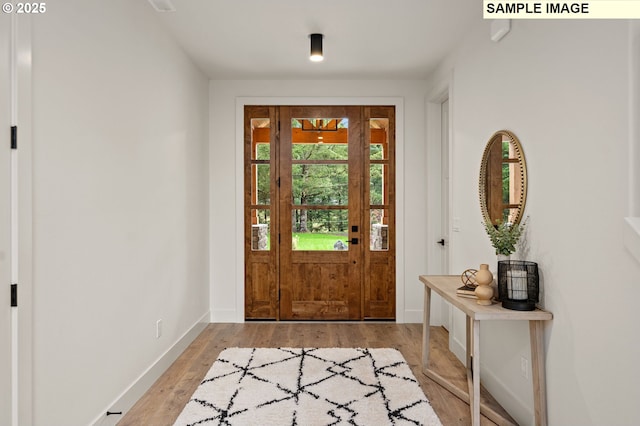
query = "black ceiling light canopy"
{"x": 316, "y": 47}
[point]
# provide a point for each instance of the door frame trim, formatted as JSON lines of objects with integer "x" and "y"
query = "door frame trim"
{"x": 443, "y": 90}
{"x": 241, "y": 102}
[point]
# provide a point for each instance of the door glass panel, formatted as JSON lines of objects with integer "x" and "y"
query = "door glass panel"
{"x": 376, "y": 184}
{"x": 320, "y": 124}
{"x": 378, "y": 190}
{"x": 262, "y": 151}
{"x": 260, "y": 229}
{"x": 260, "y": 138}
{"x": 319, "y": 179}
{"x": 260, "y": 164}
{"x": 320, "y": 184}
{"x": 319, "y": 138}
{"x": 260, "y": 161}
{"x": 320, "y": 229}
{"x": 379, "y": 128}
{"x": 261, "y": 184}
{"x": 379, "y": 233}
{"x": 319, "y": 151}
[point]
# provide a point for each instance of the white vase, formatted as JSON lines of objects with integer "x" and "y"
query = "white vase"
{"x": 503, "y": 257}
{"x": 495, "y": 282}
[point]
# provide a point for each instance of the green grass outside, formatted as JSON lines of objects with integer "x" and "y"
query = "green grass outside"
{"x": 311, "y": 241}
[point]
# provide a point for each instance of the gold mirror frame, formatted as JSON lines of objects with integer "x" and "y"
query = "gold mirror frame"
{"x": 490, "y": 175}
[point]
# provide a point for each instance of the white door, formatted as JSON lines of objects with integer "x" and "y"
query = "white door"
{"x": 5, "y": 222}
{"x": 444, "y": 205}
{"x": 453, "y": 319}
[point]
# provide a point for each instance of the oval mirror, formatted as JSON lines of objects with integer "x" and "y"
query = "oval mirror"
{"x": 503, "y": 179}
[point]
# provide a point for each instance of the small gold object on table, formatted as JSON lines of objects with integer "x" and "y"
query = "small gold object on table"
{"x": 468, "y": 278}
{"x": 469, "y": 284}
{"x": 484, "y": 291}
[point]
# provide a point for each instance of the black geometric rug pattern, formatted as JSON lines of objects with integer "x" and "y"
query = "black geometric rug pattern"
{"x": 309, "y": 387}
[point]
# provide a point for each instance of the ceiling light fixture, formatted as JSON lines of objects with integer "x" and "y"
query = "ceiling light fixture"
{"x": 316, "y": 47}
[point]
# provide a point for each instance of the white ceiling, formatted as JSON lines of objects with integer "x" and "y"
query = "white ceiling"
{"x": 364, "y": 39}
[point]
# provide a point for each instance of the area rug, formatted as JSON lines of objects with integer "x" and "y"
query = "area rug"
{"x": 308, "y": 387}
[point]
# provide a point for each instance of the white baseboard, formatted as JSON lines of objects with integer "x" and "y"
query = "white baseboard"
{"x": 134, "y": 392}
{"x": 412, "y": 316}
{"x": 417, "y": 316}
{"x": 516, "y": 408}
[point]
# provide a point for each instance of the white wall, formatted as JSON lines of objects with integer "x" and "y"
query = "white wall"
{"x": 120, "y": 187}
{"x": 562, "y": 88}
{"x": 632, "y": 230}
{"x": 226, "y": 181}
{"x": 5, "y": 222}
{"x": 634, "y": 125}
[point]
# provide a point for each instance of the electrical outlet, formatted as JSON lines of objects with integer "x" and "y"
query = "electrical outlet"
{"x": 158, "y": 328}
{"x": 524, "y": 367}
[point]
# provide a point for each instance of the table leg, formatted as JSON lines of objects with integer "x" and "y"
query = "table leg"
{"x": 536, "y": 334}
{"x": 426, "y": 324}
{"x": 469, "y": 343}
{"x": 475, "y": 345}
{"x": 469, "y": 358}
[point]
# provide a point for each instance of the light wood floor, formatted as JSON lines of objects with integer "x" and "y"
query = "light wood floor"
{"x": 164, "y": 401}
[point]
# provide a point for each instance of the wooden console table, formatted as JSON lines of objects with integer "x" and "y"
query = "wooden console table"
{"x": 446, "y": 287}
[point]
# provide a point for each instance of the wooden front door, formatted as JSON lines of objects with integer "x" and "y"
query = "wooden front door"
{"x": 319, "y": 213}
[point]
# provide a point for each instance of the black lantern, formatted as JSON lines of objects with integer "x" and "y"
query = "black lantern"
{"x": 518, "y": 284}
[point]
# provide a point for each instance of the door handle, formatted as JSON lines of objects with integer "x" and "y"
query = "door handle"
{"x": 441, "y": 242}
{"x": 353, "y": 241}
